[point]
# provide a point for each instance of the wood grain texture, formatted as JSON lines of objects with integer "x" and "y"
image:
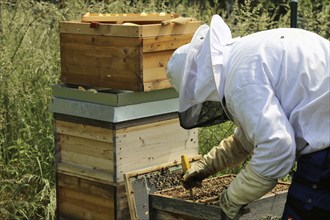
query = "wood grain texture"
{"x": 163, "y": 43}
{"x": 86, "y": 173}
{"x": 84, "y": 131}
{"x": 170, "y": 29}
{"x": 185, "y": 209}
{"x": 118, "y": 30}
{"x": 133, "y": 58}
{"x": 121, "y": 18}
{"x": 101, "y": 61}
{"x": 153, "y": 144}
{"x": 154, "y": 70}
{"x": 79, "y": 198}
{"x": 114, "y": 30}
{"x": 170, "y": 208}
{"x": 154, "y": 65}
{"x": 97, "y": 152}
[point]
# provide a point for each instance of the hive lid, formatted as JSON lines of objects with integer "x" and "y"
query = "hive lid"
{"x": 131, "y": 25}
{"x": 113, "y": 114}
{"x": 122, "y": 18}
{"x": 111, "y": 97}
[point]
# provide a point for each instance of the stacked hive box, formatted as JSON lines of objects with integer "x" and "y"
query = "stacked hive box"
{"x": 115, "y": 112}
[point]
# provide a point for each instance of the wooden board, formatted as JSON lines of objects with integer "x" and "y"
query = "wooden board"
{"x": 138, "y": 196}
{"x": 152, "y": 144}
{"x": 138, "y": 31}
{"x": 101, "y": 61}
{"x": 165, "y": 207}
{"x": 102, "y": 151}
{"x": 162, "y": 207}
{"x": 114, "y": 98}
{"x": 79, "y": 198}
{"x": 134, "y": 18}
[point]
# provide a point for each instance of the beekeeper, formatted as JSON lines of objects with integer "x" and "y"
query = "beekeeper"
{"x": 274, "y": 85}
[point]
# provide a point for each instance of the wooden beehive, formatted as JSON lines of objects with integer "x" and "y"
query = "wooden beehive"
{"x": 105, "y": 151}
{"x": 111, "y": 54}
{"x": 93, "y": 156}
{"x": 99, "y": 136}
{"x": 164, "y": 206}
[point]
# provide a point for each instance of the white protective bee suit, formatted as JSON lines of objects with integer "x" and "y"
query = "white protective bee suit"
{"x": 274, "y": 85}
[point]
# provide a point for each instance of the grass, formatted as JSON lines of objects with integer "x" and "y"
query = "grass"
{"x": 30, "y": 65}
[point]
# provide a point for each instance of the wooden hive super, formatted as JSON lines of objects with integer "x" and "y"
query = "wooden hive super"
{"x": 102, "y": 135}
{"x": 163, "y": 205}
{"x": 103, "y": 51}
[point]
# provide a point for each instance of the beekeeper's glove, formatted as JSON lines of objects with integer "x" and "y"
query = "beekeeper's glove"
{"x": 245, "y": 188}
{"x": 227, "y": 154}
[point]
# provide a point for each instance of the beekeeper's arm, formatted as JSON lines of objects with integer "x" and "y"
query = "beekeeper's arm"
{"x": 259, "y": 114}
{"x": 229, "y": 153}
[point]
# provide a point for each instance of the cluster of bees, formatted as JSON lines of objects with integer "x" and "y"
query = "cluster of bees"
{"x": 165, "y": 178}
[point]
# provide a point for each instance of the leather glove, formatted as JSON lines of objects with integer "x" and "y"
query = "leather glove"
{"x": 228, "y": 153}
{"x": 245, "y": 188}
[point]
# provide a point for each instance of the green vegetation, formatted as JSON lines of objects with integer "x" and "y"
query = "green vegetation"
{"x": 30, "y": 64}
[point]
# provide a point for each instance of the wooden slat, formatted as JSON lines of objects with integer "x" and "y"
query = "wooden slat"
{"x": 130, "y": 197}
{"x": 154, "y": 65}
{"x": 160, "y": 214}
{"x": 104, "y": 190}
{"x": 188, "y": 209}
{"x": 86, "y": 173}
{"x": 72, "y": 209}
{"x": 77, "y": 204}
{"x": 83, "y": 198}
{"x": 90, "y": 147}
{"x": 152, "y": 144}
{"x": 115, "y": 30}
{"x": 128, "y": 178}
{"x": 155, "y": 85}
{"x": 154, "y": 70}
{"x": 162, "y": 132}
{"x": 118, "y": 30}
{"x": 87, "y": 161}
{"x": 270, "y": 205}
{"x": 79, "y": 198}
{"x": 153, "y": 44}
{"x": 120, "y": 18}
{"x": 122, "y": 203}
{"x": 84, "y": 131}
{"x": 170, "y": 29}
{"x": 127, "y": 164}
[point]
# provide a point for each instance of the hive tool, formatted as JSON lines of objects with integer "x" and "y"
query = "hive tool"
{"x": 185, "y": 167}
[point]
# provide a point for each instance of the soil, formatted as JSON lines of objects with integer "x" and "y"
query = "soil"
{"x": 210, "y": 190}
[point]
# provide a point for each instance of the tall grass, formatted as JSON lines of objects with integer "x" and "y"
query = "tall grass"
{"x": 30, "y": 64}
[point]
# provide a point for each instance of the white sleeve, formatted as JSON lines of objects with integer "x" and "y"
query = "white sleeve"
{"x": 258, "y": 112}
{"x": 246, "y": 144}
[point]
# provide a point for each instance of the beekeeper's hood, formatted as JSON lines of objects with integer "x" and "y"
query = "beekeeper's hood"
{"x": 195, "y": 71}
